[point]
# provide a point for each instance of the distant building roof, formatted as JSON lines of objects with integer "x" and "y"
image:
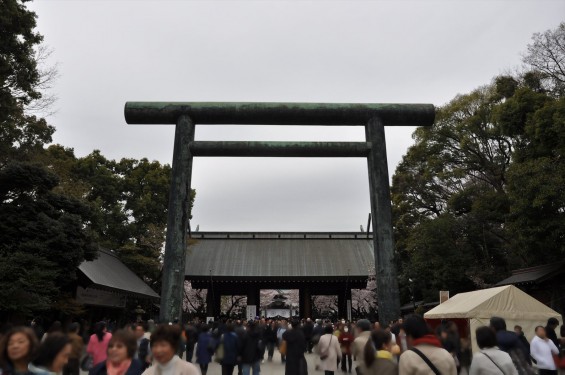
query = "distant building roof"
{"x": 108, "y": 272}
{"x": 296, "y": 255}
{"x": 534, "y": 274}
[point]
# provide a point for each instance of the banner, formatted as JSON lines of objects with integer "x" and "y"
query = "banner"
{"x": 251, "y": 312}
{"x": 100, "y": 297}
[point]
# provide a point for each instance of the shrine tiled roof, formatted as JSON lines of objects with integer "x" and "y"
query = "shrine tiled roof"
{"x": 284, "y": 255}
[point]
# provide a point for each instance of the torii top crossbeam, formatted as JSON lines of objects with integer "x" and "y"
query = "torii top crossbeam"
{"x": 279, "y": 113}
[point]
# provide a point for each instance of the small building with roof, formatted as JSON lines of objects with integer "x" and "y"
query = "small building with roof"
{"x": 546, "y": 283}
{"x": 315, "y": 263}
{"x": 105, "y": 285}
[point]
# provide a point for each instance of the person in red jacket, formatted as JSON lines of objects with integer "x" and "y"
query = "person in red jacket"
{"x": 345, "y": 340}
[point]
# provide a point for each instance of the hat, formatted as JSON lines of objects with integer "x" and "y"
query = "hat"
{"x": 363, "y": 325}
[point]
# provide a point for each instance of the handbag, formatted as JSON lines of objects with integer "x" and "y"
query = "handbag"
{"x": 326, "y": 352}
{"x": 86, "y": 362}
{"x": 559, "y": 361}
{"x": 282, "y": 347}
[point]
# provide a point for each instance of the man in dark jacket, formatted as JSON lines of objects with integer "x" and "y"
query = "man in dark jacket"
{"x": 143, "y": 350}
{"x": 191, "y": 334}
{"x": 552, "y": 323}
{"x": 232, "y": 348}
{"x": 295, "y": 348}
{"x": 250, "y": 349}
{"x": 507, "y": 341}
{"x": 308, "y": 332}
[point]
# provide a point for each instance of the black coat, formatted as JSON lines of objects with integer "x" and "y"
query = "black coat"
{"x": 295, "y": 348}
{"x": 136, "y": 368}
{"x": 250, "y": 346}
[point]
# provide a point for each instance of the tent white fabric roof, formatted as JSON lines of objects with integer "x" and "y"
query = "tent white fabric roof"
{"x": 507, "y": 302}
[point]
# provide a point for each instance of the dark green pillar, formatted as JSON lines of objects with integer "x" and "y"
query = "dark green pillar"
{"x": 177, "y": 223}
{"x": 383, "y": 242}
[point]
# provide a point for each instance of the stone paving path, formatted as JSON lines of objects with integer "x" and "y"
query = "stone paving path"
{"x": 269, "y": 368}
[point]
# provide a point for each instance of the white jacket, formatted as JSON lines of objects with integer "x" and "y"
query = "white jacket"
{"x": 542, "y": 350}
{"x": 329, "y": 344}
{"x": 482, "y": 365}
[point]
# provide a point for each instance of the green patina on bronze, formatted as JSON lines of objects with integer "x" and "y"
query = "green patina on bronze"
{"x": 187, "y": 114}
{"x": 280, "y": 149}
{"x": 279, "y": 113}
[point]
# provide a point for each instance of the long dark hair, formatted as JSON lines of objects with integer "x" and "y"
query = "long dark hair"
{"x": 49, "y": 348}
{"x": 379, "y": 338}
{"x": 99, "y": 330}
{"x": 28, "y": 332}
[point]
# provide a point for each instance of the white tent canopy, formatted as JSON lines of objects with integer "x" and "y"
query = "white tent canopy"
{"x": 508, "y": 302}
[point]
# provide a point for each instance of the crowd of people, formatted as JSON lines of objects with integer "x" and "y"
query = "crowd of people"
{"x": 408, "y": 347}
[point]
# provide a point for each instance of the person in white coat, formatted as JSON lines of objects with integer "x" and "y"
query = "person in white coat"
{"x": 329, "y": 351}
{"x": 490, "y": 360}
{"x": 542, "y": 350}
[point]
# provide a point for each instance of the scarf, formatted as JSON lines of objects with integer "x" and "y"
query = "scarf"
{"x": 384, "y": 354}
{"x": 119, "y": 369}
{"x": 428, "y": 339}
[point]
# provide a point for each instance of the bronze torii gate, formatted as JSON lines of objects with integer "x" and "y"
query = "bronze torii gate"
{"x": 185, "y": 115}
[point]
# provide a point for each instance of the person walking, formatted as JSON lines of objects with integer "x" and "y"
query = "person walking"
{"x": 363, "y": 333}
{"x": 329, "y": 351}
{"x": 542, "y": 349}
{"x": 143, "y": 352}
{"x": 425, "y": 355}
{"x": 72, "y": 367}
{"x": 490, "y": 360}
{"x": 52, "y": 355}
{"x": 345, "y": 340}
{"x": 280, "y": 331}
{"x": 250, "y": 350}
{"x": 377, "y": 356}
{"x": 271, "y": 339}
{"x": 98, "y": 343}
{"x": 296, "y": 345}
{"x": 205, "y": 348}
{"x": 231, "y": 347}
{"x": 191, "y": 334}
{"x": 308, "y": 330}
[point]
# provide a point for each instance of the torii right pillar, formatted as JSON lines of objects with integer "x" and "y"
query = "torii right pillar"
{"x": 383, "y": 242}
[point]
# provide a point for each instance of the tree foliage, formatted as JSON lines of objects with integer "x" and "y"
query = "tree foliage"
{"x": 57, "y": 209}
{"x": 546, "y": 55}
{"x": 483, "y": 190}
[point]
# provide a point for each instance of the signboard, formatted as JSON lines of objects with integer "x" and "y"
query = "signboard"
{"x": 348, "y": 310}
{"x": 251, "y": 312}
{"x": 443, "y": 296}
{"x": 100, "y": 297}
{"x": 271, "y": 313}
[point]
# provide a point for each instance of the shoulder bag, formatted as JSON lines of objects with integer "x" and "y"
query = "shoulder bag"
{"x": 427, "y": 360}
{"x": 326, "y": 352}
{"x": 496, "y": 364}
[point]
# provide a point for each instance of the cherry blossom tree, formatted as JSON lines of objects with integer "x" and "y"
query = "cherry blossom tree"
{"x": 194, "y": 300}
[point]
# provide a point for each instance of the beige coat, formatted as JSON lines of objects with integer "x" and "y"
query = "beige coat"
{"x": 412, "y": 364}
{"x": 176, "y": 367}
{"x": 329, "y": 344}
{"x": 358, "y": 346}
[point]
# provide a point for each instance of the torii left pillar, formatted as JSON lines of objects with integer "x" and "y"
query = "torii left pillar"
{"x": 177, "y": 223}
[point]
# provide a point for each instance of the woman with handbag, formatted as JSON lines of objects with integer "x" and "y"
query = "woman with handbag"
{"x": 329, "y": 351}
{"x": 490, "y": 360}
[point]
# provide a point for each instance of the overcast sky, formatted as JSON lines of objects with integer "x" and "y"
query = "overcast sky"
{"x": 110, "y": 52}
